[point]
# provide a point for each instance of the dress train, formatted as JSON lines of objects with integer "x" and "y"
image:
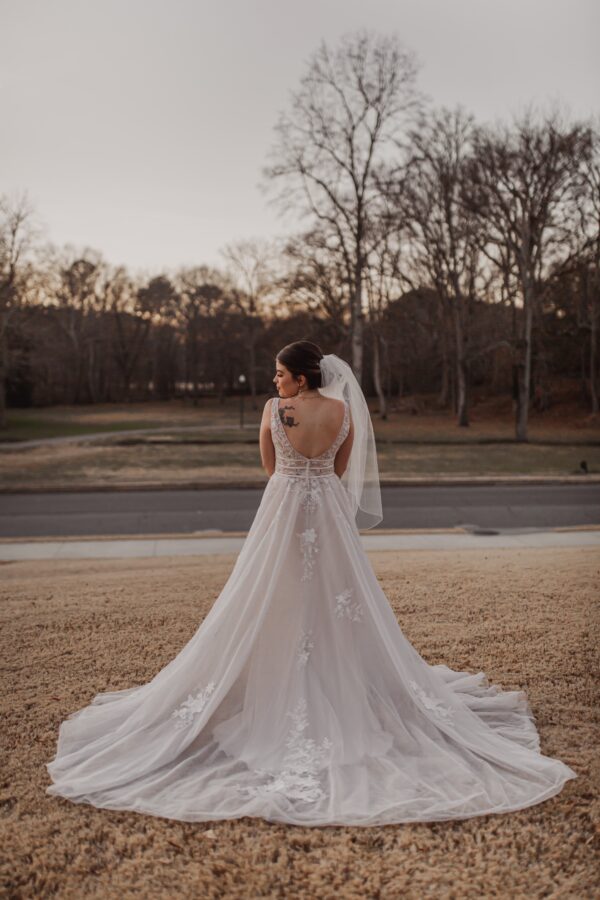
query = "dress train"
{"x": 299, "y": 699}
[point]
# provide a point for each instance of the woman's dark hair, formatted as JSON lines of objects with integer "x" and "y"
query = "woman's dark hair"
{"x": 302, "y": 358}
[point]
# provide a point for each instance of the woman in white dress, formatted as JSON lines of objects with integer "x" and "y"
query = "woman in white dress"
{"x": 299, "y": 699}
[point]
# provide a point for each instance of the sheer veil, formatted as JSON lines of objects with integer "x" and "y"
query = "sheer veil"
{"x": 361, "y": 477}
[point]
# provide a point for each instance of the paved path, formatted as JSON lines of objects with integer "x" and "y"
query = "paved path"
{"x": 90, "y": 437}
{"x": 147, "y": 512}
{"x": 190, "y": 546}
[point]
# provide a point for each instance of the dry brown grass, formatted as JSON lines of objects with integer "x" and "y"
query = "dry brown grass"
{"x": 425, "y": 444}
{"x": 410, "y": 418}
{"x": 90, "y": 466}
{"x": 74, "y": 628}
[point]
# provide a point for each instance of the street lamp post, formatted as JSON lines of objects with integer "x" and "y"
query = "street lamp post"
{"x": 242, "y": 382}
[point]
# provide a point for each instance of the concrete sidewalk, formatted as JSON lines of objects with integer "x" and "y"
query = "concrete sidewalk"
{"x": 120, "y": 548}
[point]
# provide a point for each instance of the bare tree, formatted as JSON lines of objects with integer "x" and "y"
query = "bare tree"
{"x": 519, "y": 180}
{"x": 205, "y": 299}
{"x": 80, "y": 302}
{"x": 17, "y": 236}
{"x": 351, "y": 103}
{"x": 131, "y": 324}
{"x": 160, "y": 300}
{"x": 251, "y": 267}
{"x": 384, "y": 279}
{"x": 444, "y": 236}
{"x": 587, "y": 232}
{"x": 315, "y": 279}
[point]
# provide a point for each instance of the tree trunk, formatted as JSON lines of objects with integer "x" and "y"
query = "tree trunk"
{"x": 77, "y": 362}
{"x": 252, "y": 372}
{"x": 524, "y": 363}
{"x": 3, "y": 370}
{"x": 90, "y": 374}
{"x": 194, "y": 360}
{"x": 444, "y": 394}
{"x": 357, "y": 319}
{"x": 593, "y": 350}
{"x": 461, "y": 394}
{"x": 388, "y": 374}
{"x": 377, "y": 377}
{"x": 461, "y": 366}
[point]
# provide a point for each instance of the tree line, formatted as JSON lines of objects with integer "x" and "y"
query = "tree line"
{"x": 439, "y": 255}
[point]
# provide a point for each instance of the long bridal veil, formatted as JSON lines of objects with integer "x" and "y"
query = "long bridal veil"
{"x": 361, "y": 478}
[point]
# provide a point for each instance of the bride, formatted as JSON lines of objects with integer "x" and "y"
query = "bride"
{"x": 299, "y": 699}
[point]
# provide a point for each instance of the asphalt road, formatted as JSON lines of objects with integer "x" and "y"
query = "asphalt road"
{"x": 499, "y": 507}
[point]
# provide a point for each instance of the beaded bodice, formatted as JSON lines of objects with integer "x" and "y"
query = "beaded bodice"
{"x": 290, "y": 461}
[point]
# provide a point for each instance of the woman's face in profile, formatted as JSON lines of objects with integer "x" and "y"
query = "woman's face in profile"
{"x": 285, "y": 383}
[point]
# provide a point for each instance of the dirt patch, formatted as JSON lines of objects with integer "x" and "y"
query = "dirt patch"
{"x": 74, "y": 628}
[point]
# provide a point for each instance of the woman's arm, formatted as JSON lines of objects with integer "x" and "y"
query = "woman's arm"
{"x": 343, "y": 454}
{"x": 267, "y": 450}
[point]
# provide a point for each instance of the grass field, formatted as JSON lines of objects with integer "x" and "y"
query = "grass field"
{"x": 146, "y": 463}
{"x": 205, "y": 445}
{"x": 73, "y": 628}
{"x": 568, "y": 422}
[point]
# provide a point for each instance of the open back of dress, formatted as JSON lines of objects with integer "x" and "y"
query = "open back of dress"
{"x": 298, "y": 699}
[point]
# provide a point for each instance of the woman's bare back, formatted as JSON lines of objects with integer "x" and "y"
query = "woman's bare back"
{"x": 311, "y": 425}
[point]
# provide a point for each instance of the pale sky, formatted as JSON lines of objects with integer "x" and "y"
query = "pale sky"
{"x": 139, "y": 127}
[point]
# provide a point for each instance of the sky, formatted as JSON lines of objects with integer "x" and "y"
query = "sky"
{"x": 139, "y": 128}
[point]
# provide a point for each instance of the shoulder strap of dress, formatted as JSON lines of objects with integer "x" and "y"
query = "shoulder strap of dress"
{"x": 345, "y": 423}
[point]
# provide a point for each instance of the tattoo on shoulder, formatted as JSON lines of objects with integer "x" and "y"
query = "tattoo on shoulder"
{"x": 285, "y": 418}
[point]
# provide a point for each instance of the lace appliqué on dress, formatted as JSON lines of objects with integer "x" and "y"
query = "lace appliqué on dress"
{"x": 311, "y": 494}
{"x": 346, "y": 608}
{"x": 298, "y": 778}
{"x": 308, "y": 545}
{"x": 429, "y": 702}
{"x": 305, "y": 647}
{"x": 192, "y": 706}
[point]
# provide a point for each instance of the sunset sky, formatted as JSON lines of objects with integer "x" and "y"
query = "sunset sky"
{"x": 139, "y": 127}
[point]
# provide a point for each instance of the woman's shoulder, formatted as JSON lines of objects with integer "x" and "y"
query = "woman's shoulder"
{"x": 335, "y": 403}
{"x": 343, "y": 411}
{"x": 333, "y": 400}
{"x": 335, "y": 408}
{"x": 268, "y": 408}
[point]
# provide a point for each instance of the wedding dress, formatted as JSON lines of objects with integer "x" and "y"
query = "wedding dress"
{"x": 299, "y": 699}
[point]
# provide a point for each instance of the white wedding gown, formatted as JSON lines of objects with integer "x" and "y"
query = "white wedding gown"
{"x": 298, "y": 699}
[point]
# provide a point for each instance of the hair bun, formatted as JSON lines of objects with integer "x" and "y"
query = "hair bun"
{"x": 303, "y": 358}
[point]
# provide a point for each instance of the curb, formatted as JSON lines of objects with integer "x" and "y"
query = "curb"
{"x": 417, "y": 481}
{"x": 197, "y": 536}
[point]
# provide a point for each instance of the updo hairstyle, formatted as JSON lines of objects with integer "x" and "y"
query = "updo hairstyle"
{"x": 302, "y": 358}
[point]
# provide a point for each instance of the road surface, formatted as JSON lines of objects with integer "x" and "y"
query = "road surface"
{"x": 498, "y": 507}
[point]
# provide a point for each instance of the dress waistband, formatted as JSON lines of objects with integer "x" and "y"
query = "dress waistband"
{"x": 320, "y": 469}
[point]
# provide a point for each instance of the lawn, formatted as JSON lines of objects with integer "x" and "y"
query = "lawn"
{"x": 113, "y": 463}
{"x": 491, "y": 419}
{"x": 73, "y": 628}
{"x": 62, "y": 421}
{"x": 205, "y": 445}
